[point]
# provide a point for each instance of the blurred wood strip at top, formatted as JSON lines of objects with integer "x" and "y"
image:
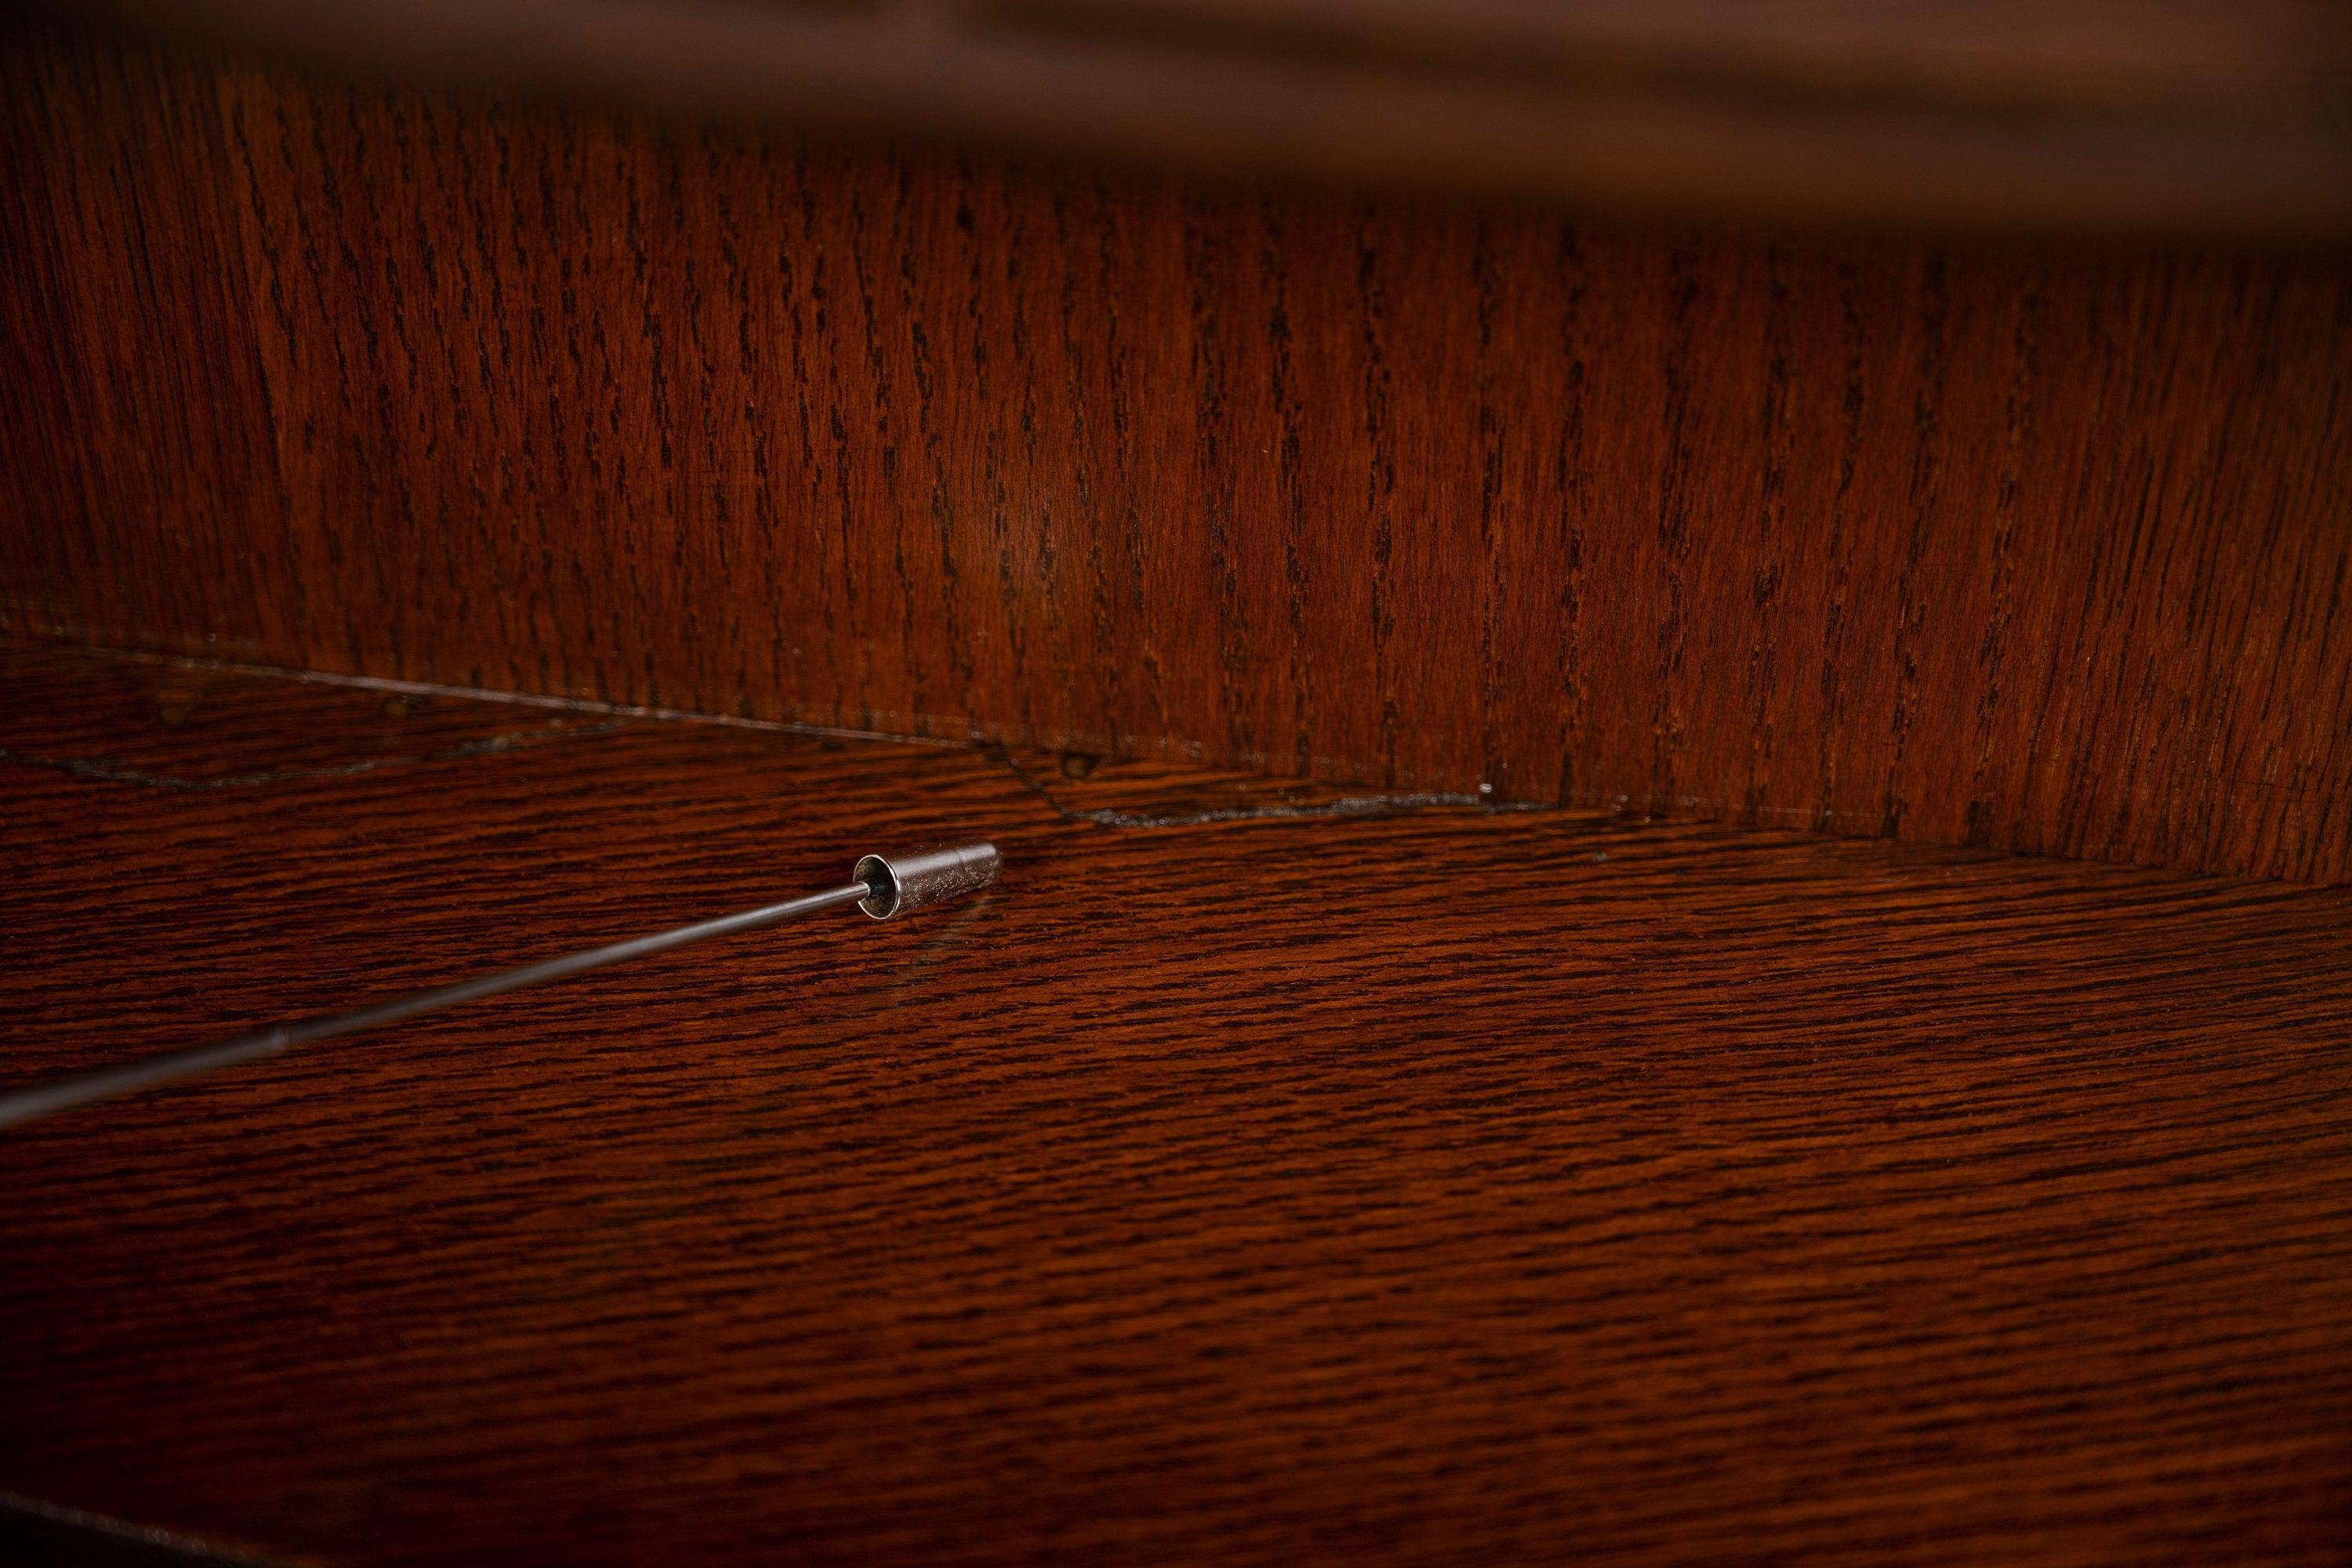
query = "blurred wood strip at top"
{"x": 2023, "y": 51}
{"x": 2173, "y": 116}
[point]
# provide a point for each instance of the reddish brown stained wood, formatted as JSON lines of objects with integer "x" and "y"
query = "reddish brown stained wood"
{"x": 2022, "y": 548}
{"x": 2174, "y": 117}
{"x": 1265, "y": 1189}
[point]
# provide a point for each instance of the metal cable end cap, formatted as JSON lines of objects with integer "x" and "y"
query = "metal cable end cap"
{"x": 903, "y": 882}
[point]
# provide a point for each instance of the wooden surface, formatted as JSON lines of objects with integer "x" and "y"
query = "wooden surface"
{"x": 1313, "y": 1180}
{"x": 2022, "y": 548}
{"x": 2198, "y": 117}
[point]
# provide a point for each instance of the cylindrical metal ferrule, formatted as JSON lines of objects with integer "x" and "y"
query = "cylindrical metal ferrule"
{"x": 903, "y": 882}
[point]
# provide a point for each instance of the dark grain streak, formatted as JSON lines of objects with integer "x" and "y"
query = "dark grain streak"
{"x": 104, "y": 771}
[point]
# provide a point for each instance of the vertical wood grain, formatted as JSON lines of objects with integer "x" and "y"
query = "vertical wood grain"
{"x": 2022, "y": 547}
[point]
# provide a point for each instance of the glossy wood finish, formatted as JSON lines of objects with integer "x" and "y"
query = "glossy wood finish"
{"x": 2020, "y": 548}
{"x": 1291, "y": 1183}
{"x": 2174, "y": 117}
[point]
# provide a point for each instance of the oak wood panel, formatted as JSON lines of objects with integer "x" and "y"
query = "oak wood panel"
{"x": 2174, "y": 117}
{"x": 1264, "y": 1188}
{"x": 2026, "y": 548}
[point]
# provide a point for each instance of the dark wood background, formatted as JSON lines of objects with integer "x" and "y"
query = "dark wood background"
{"x": 1251, "y": 1177}
{"x": 1512, "y": 1025}
{"x": 2017, "y": 546}
{"x": 2176, "y": 117}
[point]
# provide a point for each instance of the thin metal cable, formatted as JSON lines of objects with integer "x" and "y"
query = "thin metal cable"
{"x": 63, "y": 1094}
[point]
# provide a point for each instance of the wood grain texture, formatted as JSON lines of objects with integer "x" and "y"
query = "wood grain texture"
{"x": 2174, "y": 117}
{"x": 2027, "y": 549}
{"x": 1259, "y": 1188}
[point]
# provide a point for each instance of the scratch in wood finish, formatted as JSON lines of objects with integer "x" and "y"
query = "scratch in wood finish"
{"x": 732, "y": 644}
{"x": 1673, "y": 541}
{"x": 1765, "y": 576}
{"x": 989, "y": 400}
{"x": 1016, "y": 254}
{"x": 1345, "y": 807}
{"x": 1215, "y": 480}
{"x": 1490, "y": 495}
{"x": 1086, "y": 488}
{"x": 858, "y": 594}
{"x": 100, "y": 770}
{"x": 1572, "y": 488}
{"x": 1910, "y": 603}
{"x": 1992, "y": 653}
{"x": 954, "y": 644}
{"x": 961, "y": 652}
{"x": 1288, "y": 416}
{"x": 1835, "y": 632}
{"x": 1141, "y": 606}
{"x": 812, "y": 539}
{"x": 1380, "y": 488}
